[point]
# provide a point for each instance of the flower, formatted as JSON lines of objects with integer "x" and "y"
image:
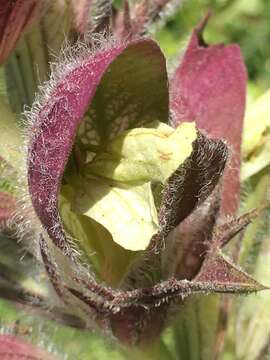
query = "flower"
{"x": 100, "y": 156}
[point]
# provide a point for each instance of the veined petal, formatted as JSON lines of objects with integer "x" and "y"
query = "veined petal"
{"x": 145, "y": 154}
{"x": 126, "y": 86}
{"x": 209, "y": 87}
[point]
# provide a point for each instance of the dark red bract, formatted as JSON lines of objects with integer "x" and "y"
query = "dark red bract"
{"x": 209, "y": 86}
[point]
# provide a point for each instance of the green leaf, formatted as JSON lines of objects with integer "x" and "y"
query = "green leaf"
{"x": 55, "y": 32}
{"x": 253, "y": 332}
{"x": 6, "y": 178}
{"x": 10, "y": 137}
{"x": 257, "y": 121}
{"x": 257, "y": 189}
{"x": 195, "y": 328}
{"x": 256, "y": 137}
{"x": 260, "y": 157}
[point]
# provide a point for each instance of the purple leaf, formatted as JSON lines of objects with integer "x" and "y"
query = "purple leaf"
{"x": 115, "y": 82}
{"x": 209, "y": 87}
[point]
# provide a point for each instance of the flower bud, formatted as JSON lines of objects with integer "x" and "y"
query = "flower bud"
{"x": 129, "y": 206}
